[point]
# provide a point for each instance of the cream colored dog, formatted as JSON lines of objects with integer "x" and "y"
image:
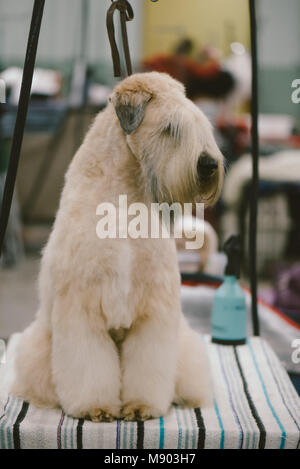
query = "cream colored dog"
{"x": 109, "y": 339}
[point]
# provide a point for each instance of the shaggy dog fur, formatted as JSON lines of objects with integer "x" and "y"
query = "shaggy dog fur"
{"x": 109, "y": 339}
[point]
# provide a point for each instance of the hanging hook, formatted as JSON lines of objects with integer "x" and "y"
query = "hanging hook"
{"x": 126, "y": 14}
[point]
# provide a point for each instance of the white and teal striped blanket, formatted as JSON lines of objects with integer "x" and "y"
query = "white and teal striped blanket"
{"x": 255, "y": 406}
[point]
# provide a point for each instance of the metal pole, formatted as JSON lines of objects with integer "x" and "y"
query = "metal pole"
{"x": 29, "y": 63}
{"x": 255, "y": 170}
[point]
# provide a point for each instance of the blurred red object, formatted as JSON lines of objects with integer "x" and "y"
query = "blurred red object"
{"x": 200, "y": 79}
{"x": 179, "y": 66}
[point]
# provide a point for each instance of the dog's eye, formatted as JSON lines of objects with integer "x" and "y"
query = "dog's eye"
{"x": 170, "y": 131}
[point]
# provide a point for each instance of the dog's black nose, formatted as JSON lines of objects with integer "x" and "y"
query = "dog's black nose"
{"x": 206, "y": 166}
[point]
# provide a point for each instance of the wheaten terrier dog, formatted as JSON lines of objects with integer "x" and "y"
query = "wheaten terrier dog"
{"x": 109, "y": 339}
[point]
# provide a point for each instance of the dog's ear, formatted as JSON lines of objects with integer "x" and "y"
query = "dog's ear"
{"x": 130, "y": 108}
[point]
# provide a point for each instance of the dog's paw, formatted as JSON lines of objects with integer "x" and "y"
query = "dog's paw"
{"x": 103, "y": 414}
{"x": 203, "y": 401}
{"x": 139, "y": 411}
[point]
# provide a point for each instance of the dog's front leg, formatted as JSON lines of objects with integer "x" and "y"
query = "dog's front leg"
{"x": 85, "y": 361}
{"x": 148, "y": 364}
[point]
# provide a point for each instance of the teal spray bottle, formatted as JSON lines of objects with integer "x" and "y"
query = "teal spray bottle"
{"x": 229, "y": 315}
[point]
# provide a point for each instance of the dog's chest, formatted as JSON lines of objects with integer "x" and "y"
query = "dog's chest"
{"x": 119, "y": 311}
{"x": 135, "y": 274}
{"x": 116, "y": 295}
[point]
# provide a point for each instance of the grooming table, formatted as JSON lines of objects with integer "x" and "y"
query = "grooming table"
{"x": 279, "y": 330}
{"x": 255, "y": 406}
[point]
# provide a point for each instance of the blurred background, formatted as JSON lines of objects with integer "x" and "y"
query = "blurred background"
{"x": 204, "y": 44}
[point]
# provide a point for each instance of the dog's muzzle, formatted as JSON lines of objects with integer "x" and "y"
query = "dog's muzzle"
{"x": 206, "y": 167}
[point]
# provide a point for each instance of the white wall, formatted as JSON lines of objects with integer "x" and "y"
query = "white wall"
{"x": 279, "y": 54}
{"x": 279, "y": 32}
{"x": 59, "y": 38}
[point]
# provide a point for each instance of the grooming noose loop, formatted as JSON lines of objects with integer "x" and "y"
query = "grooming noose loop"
{"x": 126, "y": 14}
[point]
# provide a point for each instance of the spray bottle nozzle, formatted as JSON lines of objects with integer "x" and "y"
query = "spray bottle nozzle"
{"x": 232, "y": 248}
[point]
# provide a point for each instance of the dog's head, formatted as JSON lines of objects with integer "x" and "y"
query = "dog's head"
{"x": 171, "y": 137}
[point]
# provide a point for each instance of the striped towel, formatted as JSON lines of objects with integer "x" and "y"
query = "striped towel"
{"x": 255, "y": 406}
